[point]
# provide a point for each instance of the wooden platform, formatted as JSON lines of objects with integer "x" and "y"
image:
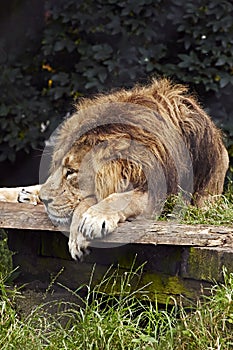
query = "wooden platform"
{"x": 180, "y": 259}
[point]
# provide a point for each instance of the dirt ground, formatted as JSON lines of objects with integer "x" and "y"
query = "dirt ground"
{"x": 51, "y": 301}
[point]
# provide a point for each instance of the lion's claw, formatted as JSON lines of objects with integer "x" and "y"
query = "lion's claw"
{"x": 77, "y": 252}
{"x": 77, "y": 245}
{"x": 96, "y": 224}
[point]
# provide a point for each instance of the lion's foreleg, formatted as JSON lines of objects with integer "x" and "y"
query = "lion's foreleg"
{"x": 103, "y": 218}
{"x": 77, "y": 242}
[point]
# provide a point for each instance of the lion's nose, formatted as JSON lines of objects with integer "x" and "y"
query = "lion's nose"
{"x": 46, "y": 201}
{"x": 43, "y": 196}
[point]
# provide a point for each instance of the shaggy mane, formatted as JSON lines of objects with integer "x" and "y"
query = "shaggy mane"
{"x": 162, "y": 117}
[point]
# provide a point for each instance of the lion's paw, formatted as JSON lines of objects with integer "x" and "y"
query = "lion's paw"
{"x": 97, "y": 224}
{"x": 78, "y": 246}
{"x": 27, "y": 197}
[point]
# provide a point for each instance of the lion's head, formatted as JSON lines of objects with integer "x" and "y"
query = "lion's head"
{"x": 153, "y": 139}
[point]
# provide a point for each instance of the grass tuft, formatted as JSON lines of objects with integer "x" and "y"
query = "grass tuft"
{"x": 219, "y": 212}
{"x": 119, "y": 320}
{"x": 215, "y": 212}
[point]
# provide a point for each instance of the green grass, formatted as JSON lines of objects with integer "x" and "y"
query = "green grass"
{"x": 111, "y": 316}
{"x": 6, "y": 264}
{"x": 216, "y": 212}
{"x": 219, "y": 212}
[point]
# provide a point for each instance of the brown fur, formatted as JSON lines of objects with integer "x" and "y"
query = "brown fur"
{"x": 121, "y": 141}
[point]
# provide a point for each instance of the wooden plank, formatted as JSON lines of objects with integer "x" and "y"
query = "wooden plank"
{"x": 173, "y": 233}
{"x": 26, "y": 216}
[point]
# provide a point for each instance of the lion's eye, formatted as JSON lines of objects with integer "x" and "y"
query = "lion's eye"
{"x": 70, "y": 172}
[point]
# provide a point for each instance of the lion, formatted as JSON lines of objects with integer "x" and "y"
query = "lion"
{"x": 121, "y": 154}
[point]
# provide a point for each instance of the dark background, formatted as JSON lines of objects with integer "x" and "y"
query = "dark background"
{"x": 54, "y": 52}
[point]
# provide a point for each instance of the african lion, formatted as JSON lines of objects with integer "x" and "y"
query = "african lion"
{"x": 121, "y": 154}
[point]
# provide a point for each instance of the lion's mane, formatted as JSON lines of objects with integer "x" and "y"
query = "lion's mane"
{"x": 159, "y": 120}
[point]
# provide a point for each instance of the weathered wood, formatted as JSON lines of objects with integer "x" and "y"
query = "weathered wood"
{"x": 173, "y": 233}
{"x": 25, "y": 216}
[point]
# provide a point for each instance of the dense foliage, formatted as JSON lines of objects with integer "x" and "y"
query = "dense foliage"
{"x": 80, "y": 47}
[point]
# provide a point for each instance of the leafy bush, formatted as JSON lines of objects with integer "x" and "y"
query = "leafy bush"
{"x": 87, "y": 46}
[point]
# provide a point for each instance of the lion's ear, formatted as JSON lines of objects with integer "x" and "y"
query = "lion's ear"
{"x": 120, "y": 144}
{"x": 112, "y": 148}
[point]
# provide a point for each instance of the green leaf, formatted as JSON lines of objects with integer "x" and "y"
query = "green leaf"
{"x": 221, "y": 61}
{"x": 4, "y": 110}
{"x": 224, "y": 81}
{"x": 59, "y": 45}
